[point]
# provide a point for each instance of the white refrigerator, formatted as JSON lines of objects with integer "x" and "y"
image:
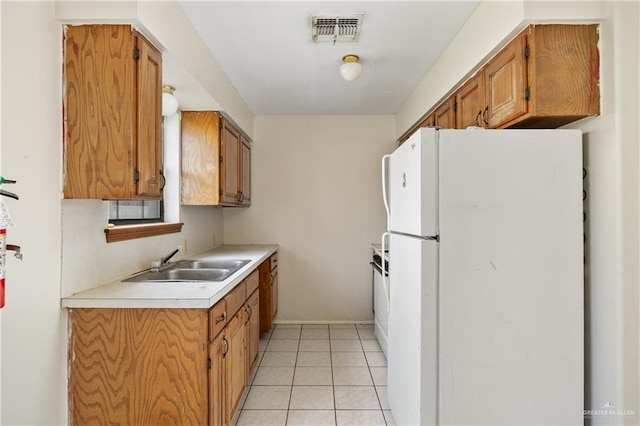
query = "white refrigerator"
{"x": 486, "y": 292}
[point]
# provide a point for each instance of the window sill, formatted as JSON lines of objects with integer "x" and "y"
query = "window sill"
{"x": 130, "y": 232}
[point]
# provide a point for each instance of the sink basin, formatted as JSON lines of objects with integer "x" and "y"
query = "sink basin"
{"x": 185, "y": 275}
{"x": 233, "y": 265}
{"x": 192, "y": 270}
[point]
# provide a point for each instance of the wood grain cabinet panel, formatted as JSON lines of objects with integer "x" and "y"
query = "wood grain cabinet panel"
{"x": 445, "y": 114}
{"x": 235, "y": 364}
{"x": 546, "y": 77}
{"x": 216, "y": 160}
{"x": 268, "y": 292}
{"x": 138, "y": 366}
{"x": 506, "y": 82}
{"x": 470, "y": 103}
{"x": 112, "y": 114}
{"x": 253, "y": 328}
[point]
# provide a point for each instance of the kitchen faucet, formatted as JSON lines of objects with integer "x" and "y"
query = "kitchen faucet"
{"x": 163, "y": 262}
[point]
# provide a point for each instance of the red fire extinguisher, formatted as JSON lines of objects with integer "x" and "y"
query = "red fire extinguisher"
{"x": 5, "y": 221}
{"x": 3, "y": 251}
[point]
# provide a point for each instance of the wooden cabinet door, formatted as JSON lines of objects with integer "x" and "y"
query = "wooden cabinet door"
{"x": 235, "y": 364}
{"x": 99, "y": 115}
{"x": 253, "y": 329}
{"x": 113, "y": 117}
{"x": 430, "y": 121}
{"x": 470, "y": 103}
{"x": 230, "y": 141}
{"x": 445, "y": 114}
{"x": 266, "y": 296}
{"x": 245, "y": 172}
{"x": 217, "y": 350}
{"x": 200, "y": 157}
{"x": 149, "y": 126}
{"x": 138, "y": 366}
{"x": 505, "y": 83}
{"x": 274, "y": 292}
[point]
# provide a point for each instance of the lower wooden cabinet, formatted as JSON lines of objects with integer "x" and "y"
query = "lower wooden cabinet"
{"x": 253, "y": 329}
{"x": 235, "y": 364}
{"x": 217, "y": 350}
{"x": 162, "y": 366}
{"x": 138, "y": 366}
{"x": 268, "y": 292}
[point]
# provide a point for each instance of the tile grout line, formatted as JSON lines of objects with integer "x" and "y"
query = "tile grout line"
{"x": 293, "y": 378}
{"x": 333, "y": 382}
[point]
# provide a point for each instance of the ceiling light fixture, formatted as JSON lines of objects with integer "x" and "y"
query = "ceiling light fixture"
{"x": 350, "y": 68}
{"x": 169, "y": 102}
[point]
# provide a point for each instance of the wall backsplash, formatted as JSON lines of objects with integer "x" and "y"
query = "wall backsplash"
{"x": 88, "y": 261}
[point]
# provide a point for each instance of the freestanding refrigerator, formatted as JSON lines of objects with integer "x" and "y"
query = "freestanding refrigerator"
{"x": 486, "y": 295}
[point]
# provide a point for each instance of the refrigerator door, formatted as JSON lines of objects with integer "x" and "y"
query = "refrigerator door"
{"x": 412, "y": 185}
{"x": 412, "y": 352}
{"x": 511, "y": 277}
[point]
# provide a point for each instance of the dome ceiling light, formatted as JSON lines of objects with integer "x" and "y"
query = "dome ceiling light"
{"x": 350, "y": 68}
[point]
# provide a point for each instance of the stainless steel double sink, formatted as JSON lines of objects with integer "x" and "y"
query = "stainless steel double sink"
{"x": 192, "y": 271}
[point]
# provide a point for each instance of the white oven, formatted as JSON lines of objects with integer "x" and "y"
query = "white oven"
{"x": 380, "y": 311}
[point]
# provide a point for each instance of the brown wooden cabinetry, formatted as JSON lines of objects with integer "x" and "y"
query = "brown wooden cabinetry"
{"x": 546, "y": 77}
{"x": 112, "y": 114}
{"x": 253, "y": 328}
{"x": 470, "y": 103}
{"x": 216, "y": 160}
{"x": 235, "y": 364}
{"x": 268, "y": 292}
{"x": 163, "y": 366}
{"x": 506, "y": 83}
{"x": 138, "y": 366}
{"x": 217, "y": 351}
{"x": 445, "y": 114}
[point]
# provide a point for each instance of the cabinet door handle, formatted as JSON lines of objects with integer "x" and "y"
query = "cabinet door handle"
{"x": 477, "y": 118}
{"x": 484, "y": 116}
{"x": 250, "y": 312}
{"x": 239, "y": 196}
{"x": 226, "y": 345}
{"x": 164, "y": 180}
{"x": 221, "y": 318}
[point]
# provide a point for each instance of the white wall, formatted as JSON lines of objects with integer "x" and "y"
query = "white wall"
{"x": 33, "y": 330}
{"x": 62, "y": 240}
{"x": 612, "y": 159}
{"x": 316, "y": 192}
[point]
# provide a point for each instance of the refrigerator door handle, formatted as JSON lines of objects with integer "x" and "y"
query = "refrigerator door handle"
{"x": 385, "y": 278}
{"x": 385, "y": 179}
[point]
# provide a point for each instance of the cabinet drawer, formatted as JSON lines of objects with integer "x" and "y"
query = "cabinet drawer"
{"x": 252, "y": 281}
{"x": 274, "y": 260}
{"x": 217, "y": 318}
{"x": 235, "y": 299}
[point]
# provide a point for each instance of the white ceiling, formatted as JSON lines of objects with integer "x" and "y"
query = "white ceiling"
{"x": 266, "y": 50}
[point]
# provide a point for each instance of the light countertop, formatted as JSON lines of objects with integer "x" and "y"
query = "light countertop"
{"x": 118, "y": 294}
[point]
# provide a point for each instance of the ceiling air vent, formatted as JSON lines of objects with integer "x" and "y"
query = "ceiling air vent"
{"x": 336, "y": 28}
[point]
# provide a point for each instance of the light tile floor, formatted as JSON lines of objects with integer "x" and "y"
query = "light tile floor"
{"x": 318, "y": 375}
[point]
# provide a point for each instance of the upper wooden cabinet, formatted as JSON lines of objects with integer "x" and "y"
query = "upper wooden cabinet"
{"x": 429, "y": 121}
{"x": 470, "y": 103}
{"x": 546, "y": 77}
{"x": 505, "y": 84}
{"x": 445, "y": 114}
{"x": 216, "y": 160}
{"x": 112, "y": 114}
